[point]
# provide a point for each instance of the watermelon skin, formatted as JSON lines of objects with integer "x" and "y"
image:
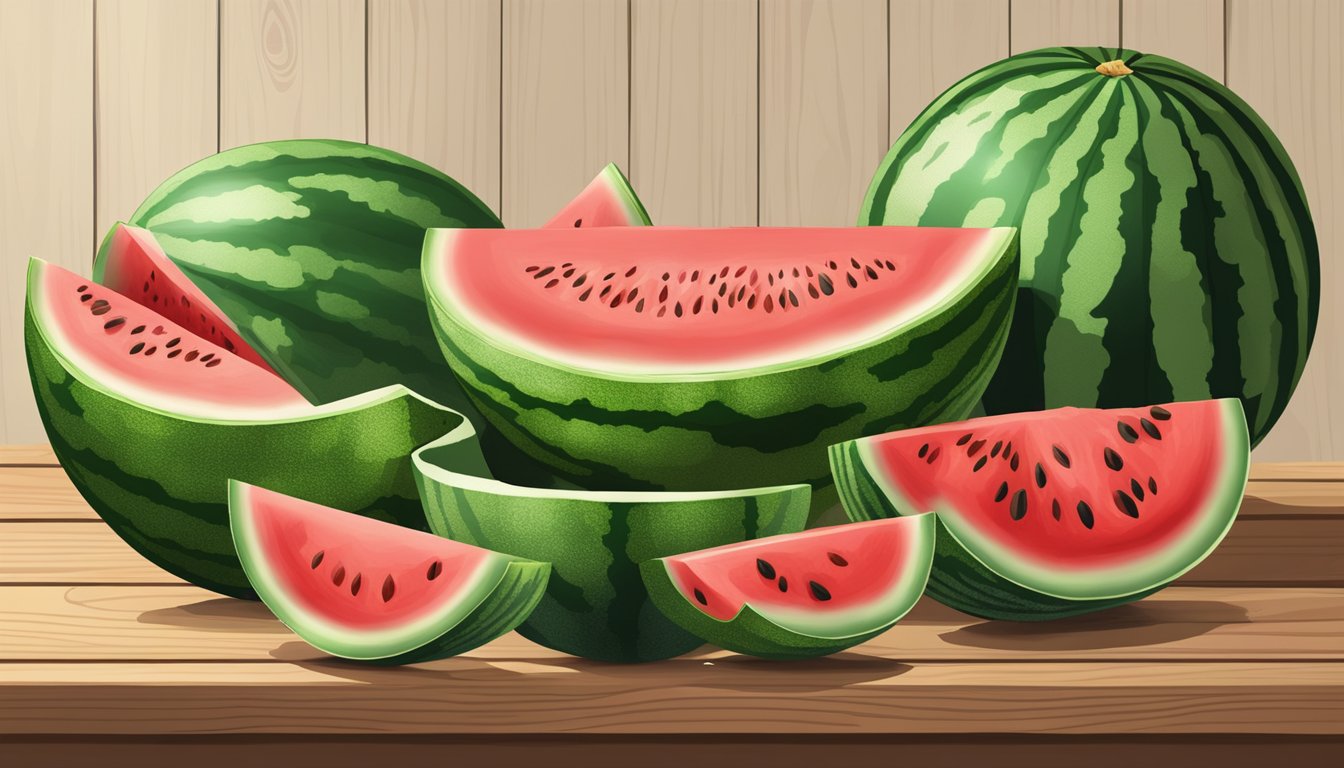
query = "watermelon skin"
{"x": 596, "y": 605}
{"x": 1168, "y": 252}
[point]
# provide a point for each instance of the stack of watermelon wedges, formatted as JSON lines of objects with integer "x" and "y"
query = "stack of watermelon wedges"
{"x": 325, "y": 375}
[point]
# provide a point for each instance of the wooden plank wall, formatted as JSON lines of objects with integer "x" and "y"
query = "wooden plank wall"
{"x": 722, "y": 111}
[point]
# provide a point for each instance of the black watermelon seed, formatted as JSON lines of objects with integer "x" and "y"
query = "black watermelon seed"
{"x": 632, "y": 294}
{"x": 389, "y": 588}
{"x": 1002, "y": 493}
{"x": 1040, "y": 476}
{"x": 677, "y": 309}
{"x": 818, "y": 591}
{"x": 207, "y": 357}
{"x": 1014, "y": 463}
{"x": 103, "y": 310}
{"x": 616, "y": 301}
{"x": 979, "y": 463}
{"x": 356, "y": 583}
{"x": 174, "y": 353}
{"x": 934, "y": 456}
{"x": 81, "y": 289}
{"x": 338, "y": 575}
{"x": 228, "y": 344}
{"x": 1150, "y": 428}
{"x": 766, "y": 569}
{"x": 435, "y": 568}
{"x": 1159, "y": 413}
{"x": 568, "y": 273}
{"x": 870, "y": 273}
{"x": 783, "y": 584}
{"x": 138, "y": 346}
{"x": 317, "y": 559}
{"x": 964, "y": 439}
{"x": 1127, "y": 432}
{"x": 1113, "y": 459}
{"x": 811, "y": 291}
{"x": 578, "y": 223}
{"x": 1125, "y": 504}
{"x": 836, "y": 558}
{"x": 579, "y": 282}
{"x": 138, "y": 329}
{"x": 700, "y": 597}
{"x": 114, "y": 323}
{"x": 552, "y": 283}
{"x": 1060, "y": 456}
{"x": 850, "y": 279}
{"x": 1085, "y": 514}
{"x": 1054, "y": 508}
{"x": 639, "y": 305}
{"x": 793, "y": 298}
{"x": 998, "y": 445}
{"x": 586, "y": 293}
{"x": 192, "y": 355}
{"x": 975, "y": 447}
{"x": 86, "y": 297}
{"x": 151, "y": 351}
{"x": 213, "y": 363}
{"x": 1008, "y": 448}
{"x": 1136, "y": 489}
{"x": 923, "y": 450}
{"x": 1152, "y": 486}
{"x": 542, "y": 273}
{"x": 174, "y": 342}
{"x": 1017, "y": 508}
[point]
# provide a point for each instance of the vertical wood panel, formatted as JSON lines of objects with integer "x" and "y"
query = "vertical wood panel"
{"x": 46, "y": 171}
{"x": 1190, "y": 31}
{"x": 1044, "y": 23}
{"x": 935, "y": 43}
{"x": 823, "y": 108}
{"x": 1284, "y": 59}
{"x": 693, "y": 104}
{"x": 158, "y": 90}
{"x": 566, "y": 106}
{"x": 434, "y": 86}
{"x": 291, "y": 68}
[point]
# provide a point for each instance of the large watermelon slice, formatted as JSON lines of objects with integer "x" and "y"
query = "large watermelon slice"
{"x": 655, "y": 358}
{"x": 799, "y": 595}
{"x": 364, "y": 589}
{"x": 1059, "y": 512}
{"x": 150, "y": 421}
{"x": 596, "y": 605}
{"x": 607, "y": 201}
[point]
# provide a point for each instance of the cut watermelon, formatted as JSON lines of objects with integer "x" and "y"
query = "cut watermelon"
{"x": 150, "y": 422}
{"x": 1059, "y": 512}
{"x": 664, "y": 358}
{"x": 607, "y": 201}
{"x": 805, "y": 594}
{"x": 363, "y": 589}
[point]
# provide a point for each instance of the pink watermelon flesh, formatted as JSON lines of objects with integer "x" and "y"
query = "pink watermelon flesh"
{"x": 135, "y": 351}
{"x": 607, "y": 201}
{"x": 138, "y": 268}
{"x": 700, "y": 300}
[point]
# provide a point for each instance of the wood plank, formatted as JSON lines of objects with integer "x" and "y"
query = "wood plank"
{"x": 849, "y": 694}
{"x": 935, "y": 43}
{"x": 1190, "y": 31}
{"x": 1283, "y": 58}
{"x": 36, "y": 453}
{"x": 158, "y": 97}
{"x": 72, "y": 553}
{"x": 291, "y": 69}
{"x": 1265, "y": 551}
{"x": 183, "y": 623}
{"x": 1045, "y": 23}
{"x": 823, "y": 122}
{"x": 40, "y": 493}
{"x": 434, "y": 89}
{"x": 46, "y": 162}
{"x": 1269, "y": 498}
{"x": 693, "y": 99}
{"x": 1298, "y": 470}
{"x": 566, "y": 105}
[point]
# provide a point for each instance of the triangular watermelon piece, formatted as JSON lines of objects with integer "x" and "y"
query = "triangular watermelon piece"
{"x": 607, "y": 201}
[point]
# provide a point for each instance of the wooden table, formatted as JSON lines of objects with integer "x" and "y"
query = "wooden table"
{"x": 105, "y": 657}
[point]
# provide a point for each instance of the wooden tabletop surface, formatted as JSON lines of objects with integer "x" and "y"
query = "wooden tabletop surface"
{"x": 103, "y": 652}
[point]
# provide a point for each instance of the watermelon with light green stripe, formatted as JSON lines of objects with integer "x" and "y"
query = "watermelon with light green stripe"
{"x": 150, "y": 421}
{"x": 663, "y": 358}
{"x": 596, "y": 605}
{"x": 1060, "y": 512}
{"x": 1168, "y": 252}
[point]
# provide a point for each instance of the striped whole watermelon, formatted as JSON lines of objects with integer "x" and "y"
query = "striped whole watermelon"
{"x": 1167, "y": 249}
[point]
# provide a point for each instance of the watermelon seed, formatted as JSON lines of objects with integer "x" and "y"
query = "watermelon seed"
{"x": 824, "y": 282}
{"x": 578, "y": 223}
{"x": 338, "y": 575}
{"x": 837, "y": 559}
{"x": 793, "y": 298}
{"x": 1054, "y": 508}
{"x": 998, "y": 445}
{"x": 1136, "y": 488}
{"x": 210, "y": 364}
{"x": 751, "y": 301}
{"x": 1085, "y": 514}
{"x": 699, "y": 302}
{"x": 979, "y": 464}
{"x": 582, "y": 279}
{"x": 1113, "y": 459}
{"x": 531, "y": 269}
{"x": 228, "y": 343}
{"x": 714, "y": 306}
{"x": 542, "y": 273}
{"x": 1152, "y": 486}
{"x": 1127, "y": 432}
{"x": 677, "y": 309}
{"x": 633, "y": 292}
{"x": 630, "y": 272}
{"x": 1150, "y": 428}
{"x": 602, "y": 294}
{"x": 100, "y": 307}
{"x": 850, "y": 279}
{"x": 207, "y": 357}
{"x": 113, "y": 323}
{"x": 639, "y": 306}
{"x": 871, "y": 274}
{"x": 610, "y": 275}
{"x": 934, "y": 456}
{"x": 1125, "y": 504}
{"x": 891, "y": 266}
{"x": 435, "y": 568}
{"x": 770, "y": 279}
{"x": 723, "y": 288}
{"x": 138, "y": 329}
{"x": 818, "y": 591}
{"x": 975, "y": 447}
{"x": 724, "y": 272}
{"x": 700, "y": 597}
{"x": 151, "y": 351}
{"x": 186, "y": 302}
{"x": 766, "y": 569}
{"x": 740, "y": 272}
{"x": 923, "y": 450}
{"x": 139, "y": 345}
{"x": 662, "y": 311}
{"x": 552, "y": 282}
{"x": 174, "y": 353}
{"x": 317, "y": 559}
{"x": 964, "y": 439}
{"x": 389, "y": 588}
{"x": 1017, "y": 508}
{"x": 1040, "y": 476}
{"x": 1008, "y": 448}
{"x": 769, "y": 303}
{"x": 1002, "y": 493}
{"x": 1159, "y": 413}
{"x": 158, "y": 330}
{"x": 796, "y": 273}
{"x": 355, "y": 584}
{"x": 832, "y": 265}
{"x": 783, "y": 584}
{"x": 174, "y": 342}
{"x": 81, "y": 289}
{"x": 1014, "y": 463}
{"x": 1060, "y": 456}
{"x": 713, "y": 278}
{"x": 616, "y": 300}
{"x": 584, "y": 296}
{"x": 86, "y": 297}
{"x": 812, "y": 291}
{"x": 855, "y": 262}
{"x": 146, "y": 287}
{"x": 568, "y": 273}
{"x": 681, "y": 276}
{"x": 662, "y": 295}
{"x": 151, "y": 274}
{"x": 191, "y": 355}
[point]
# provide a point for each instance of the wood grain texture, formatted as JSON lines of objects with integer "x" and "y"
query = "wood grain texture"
{"x": 823, "y": 108}
{"x": 40, "y": 494}
{"x": 158, "y": 97}
{"x": 1284, "y": 59}
{"x": 46, "y": 171}
{"x": 434, "y": 88}
{"x": 1190, "y": 31}
{"x": 566, "y": 102}
{"x": 290, "y": 69}
{"x": 72, "y": 553}
{"x": 35, "y": 453}
{"x": 1045, "y": 23}
{"x": 693, "y": 99}
{"x": 935, "y": 43}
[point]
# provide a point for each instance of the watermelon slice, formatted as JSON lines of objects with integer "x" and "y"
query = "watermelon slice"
{"x": 607, "y": 201}
{"x": 665, "y": 358}
{"x": 799, "y": 595}
{"x": 150, "y": 421}
{"x": 1059, "y": 512}
{"x": 368, "y": 590}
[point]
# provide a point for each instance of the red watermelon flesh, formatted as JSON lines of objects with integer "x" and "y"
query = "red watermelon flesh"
{"x": 607, "y": 201}
{"x": 135, "y": 266}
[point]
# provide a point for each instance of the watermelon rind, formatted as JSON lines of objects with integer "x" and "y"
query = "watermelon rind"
{"x": 612, "y": 187}
{"x": 504, "y": 592}
{"x": 160, "y": 478}
{"x": 596, "y": 605}
{"x": 763, "y": 634}
{"x": 984, "y": 580}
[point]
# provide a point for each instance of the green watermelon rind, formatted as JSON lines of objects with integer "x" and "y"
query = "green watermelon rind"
{"x": 619, "y": 186}
{"x": 755, "y": 633}
{"x": 596, "y": 605}
{"x": 506, "y": 592}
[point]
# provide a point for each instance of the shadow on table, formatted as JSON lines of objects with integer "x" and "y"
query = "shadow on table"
{"x": 220, "y": 614}
{"x": 1126, "y": 626}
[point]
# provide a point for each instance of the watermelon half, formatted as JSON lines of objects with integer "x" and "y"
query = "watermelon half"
{"x": 150, "y": 421}
{"x": 1061, "y": 512}
{"x": 596, "y": 605}
{"x": 798, "y": 595}
{"x": 368, "y": 590}
{"x": 607, "y": 201}
{"x": 664, "y": 358}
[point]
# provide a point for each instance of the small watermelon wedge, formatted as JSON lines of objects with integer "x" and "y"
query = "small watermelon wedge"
{"x": 372, "y": 591}
{"x": 798, "y": 595}
{"x": 1056, "y": 513}
{"x": 607, "y": 201}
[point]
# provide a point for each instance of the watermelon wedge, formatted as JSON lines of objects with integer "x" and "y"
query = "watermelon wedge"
{"x": 1058, "y": 512}
{"x": 607, "y": 201}
{"x": 150, "y": 421}
{"x": 798, "y": 595}
{"x": 665, "y": 358}
{"x": 368, "y": 590}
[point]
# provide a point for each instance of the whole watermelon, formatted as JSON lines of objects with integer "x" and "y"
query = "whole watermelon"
{"x": 1167, "y": 249}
